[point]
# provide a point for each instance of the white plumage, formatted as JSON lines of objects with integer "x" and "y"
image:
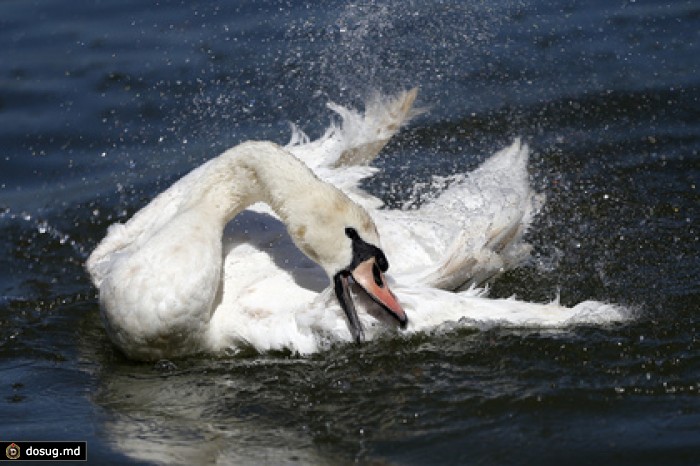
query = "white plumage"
{"x": 215, "y": 261}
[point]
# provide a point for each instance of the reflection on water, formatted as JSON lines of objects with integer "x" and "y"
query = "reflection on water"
{"x": 229, "y": 411}
{"x": 196, "y": 416}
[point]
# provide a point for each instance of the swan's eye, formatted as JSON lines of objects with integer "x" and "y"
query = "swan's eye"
{"x": 383, "y": 263}
{"x": 377, "y": 276}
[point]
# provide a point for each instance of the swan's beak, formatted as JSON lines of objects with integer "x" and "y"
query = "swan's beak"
{"x": 342, "y": 292}
{"x": 368, "y": 276}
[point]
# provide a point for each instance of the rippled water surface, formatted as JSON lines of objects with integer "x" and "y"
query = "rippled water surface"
{"x": 104, "y": 103}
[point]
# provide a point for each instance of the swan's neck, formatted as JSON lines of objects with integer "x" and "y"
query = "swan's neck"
{"x": 261, "y": 172}
{"x": 266, "y": 173}
{"x": 315, "y": 213}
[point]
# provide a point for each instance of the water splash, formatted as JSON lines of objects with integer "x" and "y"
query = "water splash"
{"x": 43, "y": 227}
{"x": 381, "y": 45}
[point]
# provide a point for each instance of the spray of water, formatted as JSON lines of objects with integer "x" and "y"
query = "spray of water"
{"x": 381, "y": 46}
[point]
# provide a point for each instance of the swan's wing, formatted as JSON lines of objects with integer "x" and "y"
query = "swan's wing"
{"x": 471, "y": 231}
{"x": 430, "y": 308}
{"x": 342, "y": 155}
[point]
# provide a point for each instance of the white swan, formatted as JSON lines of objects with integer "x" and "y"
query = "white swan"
{"x": 176, "y": 280}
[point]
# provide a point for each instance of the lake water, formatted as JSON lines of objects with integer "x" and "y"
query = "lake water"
{"x": 104, "y": 103}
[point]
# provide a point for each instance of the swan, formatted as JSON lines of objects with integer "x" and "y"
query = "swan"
{"x": 277, "y": 248}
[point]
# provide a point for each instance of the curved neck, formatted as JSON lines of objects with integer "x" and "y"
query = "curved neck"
{"x": 261, "y": 172}
{"x": 315, "y": 213}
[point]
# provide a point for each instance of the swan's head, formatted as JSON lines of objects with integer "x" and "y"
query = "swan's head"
{"x": 341, "y": 237}
{"x": 366, "y": 269}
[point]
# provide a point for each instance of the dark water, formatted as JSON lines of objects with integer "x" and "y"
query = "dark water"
{"x": 104, "y": 103}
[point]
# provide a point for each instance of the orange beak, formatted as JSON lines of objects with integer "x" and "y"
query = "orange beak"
{"x": 368, "y": 275}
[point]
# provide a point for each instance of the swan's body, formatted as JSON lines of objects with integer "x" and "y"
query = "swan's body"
{"x": 176, "y": 279}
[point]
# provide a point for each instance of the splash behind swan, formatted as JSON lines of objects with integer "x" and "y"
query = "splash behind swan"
{"x": 193, "y": 271}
